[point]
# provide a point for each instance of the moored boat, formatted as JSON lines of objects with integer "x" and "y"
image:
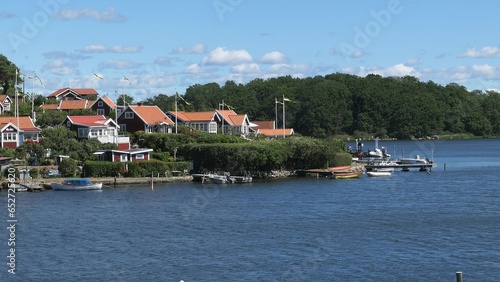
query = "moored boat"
{"x": 378, "y": 173}
{"x": 346, "y": 174}
{"x": 76, "y": 184}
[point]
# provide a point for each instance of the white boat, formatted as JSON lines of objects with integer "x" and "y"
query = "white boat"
{"x": 414, "y": 161}
{"x": 76, "y": 184}
{"x": 378, "y": 173}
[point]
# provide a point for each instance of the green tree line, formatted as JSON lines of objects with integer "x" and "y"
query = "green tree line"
{"x": 323, "y": 106}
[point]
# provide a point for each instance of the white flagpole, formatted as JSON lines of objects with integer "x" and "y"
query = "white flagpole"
{"x": 275, "y": 113}
{"x": 176, "y": 112}
{"x": 33, "y": 99}
{"x": 284, "y": 116}
{"x": 17, "y": 105}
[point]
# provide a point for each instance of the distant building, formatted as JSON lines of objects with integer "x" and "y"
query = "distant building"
{"x": 146, "y": 118}
{"x": 74, "y": 94}
{"x": 16, "y": 131}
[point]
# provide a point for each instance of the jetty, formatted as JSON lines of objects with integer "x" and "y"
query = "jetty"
{"x": 404, "y": 167}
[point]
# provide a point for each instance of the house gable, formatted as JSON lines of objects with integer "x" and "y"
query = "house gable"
{"x": 103, "y": 106}
{"x": 146, "y": 118}
{"x": 74, "y": 94}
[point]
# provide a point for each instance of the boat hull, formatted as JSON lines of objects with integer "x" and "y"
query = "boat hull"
{"x": 347, "y": 175}
{"x": 378, "y": 173}
{"x": 76, "y": 185}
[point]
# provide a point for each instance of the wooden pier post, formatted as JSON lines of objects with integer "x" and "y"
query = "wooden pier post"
{"x": 444, "y": 166}
{"x": 459, "y": 276}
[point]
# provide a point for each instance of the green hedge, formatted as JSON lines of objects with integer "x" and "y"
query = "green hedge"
{"x": 155, "y": 167}
{"x": 102, "y": 169}
{"x": 265, "y": 155}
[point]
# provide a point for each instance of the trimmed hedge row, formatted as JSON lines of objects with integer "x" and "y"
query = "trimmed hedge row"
{"x": 135, "y": 169}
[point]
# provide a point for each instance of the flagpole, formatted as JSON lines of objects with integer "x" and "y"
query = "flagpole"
{"x": 17, "y": 105}
{"x": 275, "y": 113}
{"x": 33, "y": 98}
{"x": 176, "y": 112}
{"x": 221, "y": 107}
{"x": 284, "y": 116}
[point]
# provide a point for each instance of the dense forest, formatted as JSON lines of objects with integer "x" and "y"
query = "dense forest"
{"x": 337, "y": 104}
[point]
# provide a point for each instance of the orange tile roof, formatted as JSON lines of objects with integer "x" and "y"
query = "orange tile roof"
{"x": 195, "y": 116}
{"x": 264, "y": 124}
{"x": 151, "y": 114}
{"x": 73, "y": 104}
{"x": 108, "y": 101}
{"x": 49, "y": 106}
{"x": 25, "y": 122}
{"x": 276, "y": 132}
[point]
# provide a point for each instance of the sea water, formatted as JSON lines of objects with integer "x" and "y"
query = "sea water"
{"x": 411, "y": 226}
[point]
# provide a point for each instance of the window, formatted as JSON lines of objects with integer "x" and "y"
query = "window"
{"x": 139, "y": 156}
{"x": 123, "y": 158}
{"x": 129, "y": 115}
{"x": 100, "y": 104}
{"x": 213, "y": 127}
{"x": 68, "y": 124}
{"x": 123, "y": 127}
{"x": 10, "y": 136}
{"x": 83, "y": 132}
{"x": 100, "y": 112}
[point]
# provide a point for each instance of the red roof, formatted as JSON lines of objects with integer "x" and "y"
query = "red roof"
{"x": 89, "y": 120}
{"x": 79, "y": 91}
{"x": 151, "y": 114}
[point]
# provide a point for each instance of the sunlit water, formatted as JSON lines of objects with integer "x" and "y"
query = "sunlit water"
{"x": 411, "y": 226}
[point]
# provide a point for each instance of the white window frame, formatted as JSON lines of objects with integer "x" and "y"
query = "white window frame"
{"x": 129, "y": 115}
{"x": 139, "y": 156}
{"x": 100, "y": 112}
{"x": 123, "y": 158}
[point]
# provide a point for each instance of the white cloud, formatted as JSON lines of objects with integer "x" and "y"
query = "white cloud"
{"x": 196, "y": 49}
{"x": 485, "y": 70}
{"x": 400, "y": 70}
{"x": 486, "y": 52}
{"x": 111, "y": 49}
{"x": 274, "y": 57}
{"x": 109, "y": 15}
{"x": 246, "y": 68}
{"x": 221, "y": 56}
{"x": 60, "y": 67}
{"x": 396, "y": 70}
{"x": 193, "y": 69}
{"x": 118, "y": 64}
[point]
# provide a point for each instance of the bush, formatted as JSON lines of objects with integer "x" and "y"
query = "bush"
{"x": 102, "y": 169}
{"x": 68, "y": 167}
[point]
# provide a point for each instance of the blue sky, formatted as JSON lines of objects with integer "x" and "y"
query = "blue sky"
{"x": 167, "y": 46}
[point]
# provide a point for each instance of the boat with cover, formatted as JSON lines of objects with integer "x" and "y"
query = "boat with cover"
{"x": 76, "y": 184}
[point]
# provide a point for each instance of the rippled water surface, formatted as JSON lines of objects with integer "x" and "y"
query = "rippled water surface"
{"x": 409, "y": 226}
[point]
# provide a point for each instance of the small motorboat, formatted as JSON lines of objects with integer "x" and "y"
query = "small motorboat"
{"x": 346, "y": 174}
{"x": 378, "y": 173}
{"x": 76, "y": 184}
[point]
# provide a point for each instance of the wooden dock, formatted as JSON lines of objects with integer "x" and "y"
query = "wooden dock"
{"x": 404, "y": 167}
